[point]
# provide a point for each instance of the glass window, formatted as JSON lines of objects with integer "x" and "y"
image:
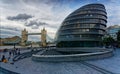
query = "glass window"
{"x": 87, "y": 30}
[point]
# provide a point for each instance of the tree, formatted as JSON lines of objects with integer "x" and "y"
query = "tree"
{"x": 118, "y": 38}
{"x": 108, "y": 41}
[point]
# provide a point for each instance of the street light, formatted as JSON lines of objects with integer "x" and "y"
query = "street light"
{"x": 14, "y": 45}
{"x": 31, "y": 44}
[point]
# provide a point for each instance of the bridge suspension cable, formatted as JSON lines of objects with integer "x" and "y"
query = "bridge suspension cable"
{"x": 49, "y": 38}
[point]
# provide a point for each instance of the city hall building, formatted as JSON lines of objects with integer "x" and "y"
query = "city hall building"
{"x": 84, "y": 27}
{"x": 79, "y": 36}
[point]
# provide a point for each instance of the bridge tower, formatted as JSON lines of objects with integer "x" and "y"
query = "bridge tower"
{"x": 24, "y": 37}
{"x": 43, "y": 37}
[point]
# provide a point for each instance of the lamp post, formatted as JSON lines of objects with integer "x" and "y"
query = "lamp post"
{"x": 31, "y": 44}
{"x": 14, "y": 45}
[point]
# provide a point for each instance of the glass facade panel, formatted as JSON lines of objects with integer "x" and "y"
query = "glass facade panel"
{"x": 87, "y": 16}
{"x": 84, "y": 27}
{"x": 88, "y": 12}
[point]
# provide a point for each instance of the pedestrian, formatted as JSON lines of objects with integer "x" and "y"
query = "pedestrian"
{"x": 3, "y": 57}
{"x": 19, "y": 52}
{"x": 114, "y": 48}
{"x": 13, "y": 52}
{"x": 10, "y": 53}
{"x": 8, "y": 58}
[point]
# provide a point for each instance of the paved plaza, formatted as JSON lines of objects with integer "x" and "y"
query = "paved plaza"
{"x": 27, "y": 66}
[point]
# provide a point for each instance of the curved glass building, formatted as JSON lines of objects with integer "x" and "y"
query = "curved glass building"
{"x": 83, "y": 28}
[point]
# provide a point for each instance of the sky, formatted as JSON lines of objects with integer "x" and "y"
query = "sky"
{"x": 33, "y": 15}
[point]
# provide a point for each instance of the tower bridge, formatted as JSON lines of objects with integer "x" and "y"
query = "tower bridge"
{"x": 25, "y": 35}
{"x": 34, "y": 34}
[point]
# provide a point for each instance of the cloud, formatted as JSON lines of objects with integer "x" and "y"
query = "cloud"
{"x": 19, "y": 17}
{"x": 35, "y": 24}
{"x": 9, "y": 32}
{"x": 10, "y": 28}
{"x": 113, "y": 12}
{"x": 47, "y": 13}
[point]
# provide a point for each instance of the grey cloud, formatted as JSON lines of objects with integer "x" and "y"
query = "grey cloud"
{"x": 9, "y": 1}
{"x": 43, "y": 1}
{"x": 53, "y": 26}
{"x": 9, "y": 33}
{"x": 20, "y": 17}
{"x": 48, "y": 2}
{"x": 45, "y": 18}
{"x": 35, "y": 24}
{"x": 10, "y": 28}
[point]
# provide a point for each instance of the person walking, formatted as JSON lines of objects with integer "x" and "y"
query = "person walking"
{"x": 19, "y": 52}
{"x": 3, "y": 57}
{"x": 10, "y": 53}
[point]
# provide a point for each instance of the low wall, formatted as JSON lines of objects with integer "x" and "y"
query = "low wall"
{"x": 73, "y": 57}
{"x": 83, "y": 49}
